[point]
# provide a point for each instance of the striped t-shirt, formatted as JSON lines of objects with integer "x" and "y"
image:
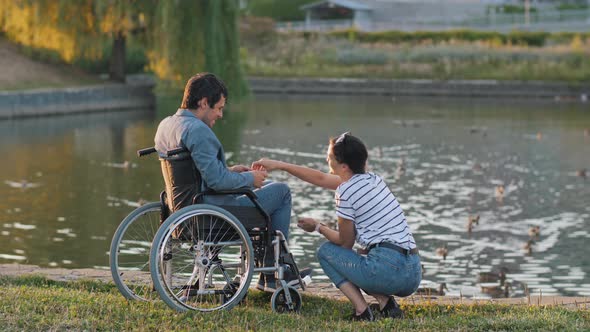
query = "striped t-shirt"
{"x": 366, "y": 200}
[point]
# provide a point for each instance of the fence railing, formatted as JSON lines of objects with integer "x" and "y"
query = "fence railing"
{"x": 551, "y": 21}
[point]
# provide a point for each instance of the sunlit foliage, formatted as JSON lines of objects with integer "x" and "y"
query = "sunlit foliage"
{"x": 179, "y": 38}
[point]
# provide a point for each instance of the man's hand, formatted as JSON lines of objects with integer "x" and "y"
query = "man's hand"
{"x": 266, "y": 164}
{"x": 239, "y": 168}
{"x": 307, "y": 224}
{"x": 259, "y": 177}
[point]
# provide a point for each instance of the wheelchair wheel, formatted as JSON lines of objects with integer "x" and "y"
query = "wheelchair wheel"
{"x": 281, "y": 304}
{"x": 202, "y": 259}
{"x": 129, "y": 252}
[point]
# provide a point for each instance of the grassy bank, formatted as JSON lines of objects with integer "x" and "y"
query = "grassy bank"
{"x": 424, "y": 55}
{"x": 36, "y": 303}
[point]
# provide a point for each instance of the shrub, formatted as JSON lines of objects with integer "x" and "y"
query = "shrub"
{"x": 279, "y": 10}
{"x": 257, "y": 30}
{"x": 355, "y": 56}
{"x": 524, "y": 38}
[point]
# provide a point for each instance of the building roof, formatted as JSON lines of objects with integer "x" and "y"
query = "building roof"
{"x": 351, "y": 4}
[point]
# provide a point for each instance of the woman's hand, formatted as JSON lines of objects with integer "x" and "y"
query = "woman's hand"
{"x": 307, "y": 224}
{"x": 266, "y": 164}
{"x": 239, "y": 168}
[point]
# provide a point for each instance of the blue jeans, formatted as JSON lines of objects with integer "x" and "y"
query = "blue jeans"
{"x": 275, "y": 198}
{"x": 383, "y": 271}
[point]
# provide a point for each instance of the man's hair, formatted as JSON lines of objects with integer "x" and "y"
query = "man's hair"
{"x": 203, "y": 85}
{"x": 351, "y": 151}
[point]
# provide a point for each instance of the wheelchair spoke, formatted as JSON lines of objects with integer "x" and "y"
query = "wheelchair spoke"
{"x": 206, "y": 249}
{"x": 129, "y": 252}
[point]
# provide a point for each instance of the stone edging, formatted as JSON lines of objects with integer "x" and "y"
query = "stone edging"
{"x": 37, "y": 102}
{"x": 548, "y": 91}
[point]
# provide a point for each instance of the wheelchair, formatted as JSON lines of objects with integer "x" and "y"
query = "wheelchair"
{"x": 198, "y": 256}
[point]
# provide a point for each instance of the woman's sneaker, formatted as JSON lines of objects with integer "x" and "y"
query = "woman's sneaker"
{"x": 367, "y": 315}
{"x": 392, "y": 310}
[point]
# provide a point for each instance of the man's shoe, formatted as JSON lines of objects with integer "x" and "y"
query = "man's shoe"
{"x": 270, "y": 284}
{"x": 367, "y": 315}
{"x": 261, "y": 281}
{"x": 292, "y": 280}
{"x": 392, "y": 310}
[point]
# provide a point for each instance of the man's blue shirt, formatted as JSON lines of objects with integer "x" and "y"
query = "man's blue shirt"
{"x": 184, "y": 129}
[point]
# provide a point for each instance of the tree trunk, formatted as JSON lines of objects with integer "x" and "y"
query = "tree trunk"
{"x": 117, "y": 63}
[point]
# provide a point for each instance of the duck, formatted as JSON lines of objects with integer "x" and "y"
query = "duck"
{"x": 499, "y": 191}
{"x": 539, "y": 136}
{"x": 440, "y": 291}
{"x": 469, "y": 227}
{"x": 22, "y": 184}
{"x": 528, "y": 246}
{"x": 471, "y": 221}
{"x": 496, "y": 290}
{"x": 442, "y": 251}
{"x": 586, "y": 132}
{"x": 499, "y": 276}
{"x": 401, "y": 167}
{"x": 125, "y": 165}
{"x": 581, "y": 173}
{"x": 519, "y": 286}
{"x": 534, "y": 232}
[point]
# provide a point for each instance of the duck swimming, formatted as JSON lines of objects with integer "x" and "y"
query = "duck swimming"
{"x": 432, "y": 291}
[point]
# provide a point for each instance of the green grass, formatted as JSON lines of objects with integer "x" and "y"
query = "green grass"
{"x": 36, "y": 303}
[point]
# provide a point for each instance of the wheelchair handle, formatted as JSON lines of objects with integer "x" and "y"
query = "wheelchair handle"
{"x": 146, "y": 151}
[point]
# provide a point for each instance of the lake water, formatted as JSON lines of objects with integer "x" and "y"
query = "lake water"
{"x": 76, "y": 187}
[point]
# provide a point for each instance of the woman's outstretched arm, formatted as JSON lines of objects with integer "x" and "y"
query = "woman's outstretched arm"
{"x": 313, "y": 176}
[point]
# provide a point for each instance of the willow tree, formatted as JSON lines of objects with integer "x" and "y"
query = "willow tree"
{"x": 204, "y": 38}
{"x": 180, "y": 37}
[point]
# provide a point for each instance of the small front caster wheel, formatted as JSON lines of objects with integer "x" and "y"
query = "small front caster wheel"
{"x": 286, "y": 301}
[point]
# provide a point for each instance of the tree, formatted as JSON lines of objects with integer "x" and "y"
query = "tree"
{"x": 180, "y": 37}
{"x": 206, "y": 39}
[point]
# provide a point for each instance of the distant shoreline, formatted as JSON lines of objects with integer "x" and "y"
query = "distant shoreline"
{"x": 139, "y": 93}
{"x": 539, "y": 91}
{"x": 135, "y": 94}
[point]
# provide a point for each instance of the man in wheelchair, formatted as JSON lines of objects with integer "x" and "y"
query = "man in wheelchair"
{"x": 191, "y": 128}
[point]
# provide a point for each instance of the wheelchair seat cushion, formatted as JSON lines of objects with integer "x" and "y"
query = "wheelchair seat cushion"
{"x": 250, "y": 217}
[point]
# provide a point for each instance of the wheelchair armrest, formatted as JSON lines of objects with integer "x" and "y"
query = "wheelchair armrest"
{"x": 239, "y": 191}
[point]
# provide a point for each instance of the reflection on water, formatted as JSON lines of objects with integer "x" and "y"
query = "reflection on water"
{"x": 68, "y": 181}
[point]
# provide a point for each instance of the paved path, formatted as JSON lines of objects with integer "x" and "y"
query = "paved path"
{"x": 320, "y": 289}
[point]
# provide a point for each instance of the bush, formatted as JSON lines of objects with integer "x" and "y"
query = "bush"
{"x": 279, "y": 10}
{"x": 524, "y": 38}
{"x": 356, "y": 56}
{"x": 257, "y": 30}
